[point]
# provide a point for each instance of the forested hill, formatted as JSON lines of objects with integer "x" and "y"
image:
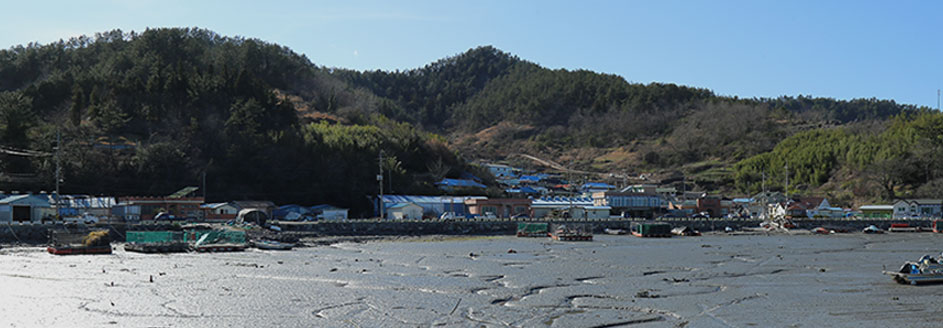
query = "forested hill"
{"x": 147, "y": 113}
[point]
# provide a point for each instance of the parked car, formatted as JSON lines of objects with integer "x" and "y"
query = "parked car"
{"x": 448, "y": 216}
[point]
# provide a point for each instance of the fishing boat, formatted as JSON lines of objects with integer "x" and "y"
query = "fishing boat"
{"x": 872, "y": 229}
{"x": 155, "y": 242}
{"x": 924, "y": 271}
{"x": 208, "y": 248}
{"x": 272, "y": 245}
{"x": 168, "y": 247}
{"x": 219, "y": 241}
{"x": 613, "y": 231}
{"x": 902, "y": 227}
{"x": 651, "y": 229}
{"x": 532, "y": 229}
{"x": 78, "y": 249}
{"x": 566, "y": 233}
{"x": 76, "y": 243}
{"x": 685, "y": 231}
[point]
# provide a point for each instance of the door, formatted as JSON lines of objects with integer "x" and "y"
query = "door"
{"x": 21, "y": 213}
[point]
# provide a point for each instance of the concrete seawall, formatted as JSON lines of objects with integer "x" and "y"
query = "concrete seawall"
{"x": 39, "y": 234}
{"x": 499, "y": 227}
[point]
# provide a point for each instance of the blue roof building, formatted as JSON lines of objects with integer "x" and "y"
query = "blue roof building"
{"x": 452, "y": 184}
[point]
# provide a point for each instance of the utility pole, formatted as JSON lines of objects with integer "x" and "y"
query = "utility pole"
{"x": 764, "y": 184}
{"x": 787, "y": 180}
{"x": 937, "y": 99}
{"x": 380, "y": 180}
{"x": 55, "y": 198}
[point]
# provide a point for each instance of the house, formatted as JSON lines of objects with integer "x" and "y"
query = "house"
{"x": 25, "y": 208}
{"x": 687, "y": 207}
{"x": 76, "y": 205}
{"x": 127, "y": 211}
{"x": 432, "y": 206}
{"x": 594, "y": 187}
{"x": 500, "y": 170}
{"x": 219, "y": 211}
{"x": 711, "y": 205}
{"x": 577, "y": 207}
{"x": 459, "y": 184}
{"x": 145, "y": 208}
{"x": 630, "y": 204}
{"x": 524, "y": 191}
{"x": 500, "y": 207}
{"x": 328, "y": 212}
{"x": 747, "y": 207}
{"x": 642, "y": 189}
{"x": 917, "y": 208}
{"x": 264, "y": 206}
{"x": 404, "y": 211}
{"x": 797, "y": 210}
{"x": 877, "y": 211}
{"x": 814, "y": 204}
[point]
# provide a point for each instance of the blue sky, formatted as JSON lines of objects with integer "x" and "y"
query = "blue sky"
{"x": 758, "y": 48}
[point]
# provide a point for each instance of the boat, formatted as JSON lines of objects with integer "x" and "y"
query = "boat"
{"x": 924, "y": 271}
{"x": 272, "y": 245}
{"x": 651, "y": 229}
{"x": 872, "y": 229}
{"x": 169, "y": 247}
{"x": 565, "y": 233}
{"x": 685, "y": 231}
{"x": 155, "y": 242}
{"x": 902, "y": 227}
{"x": 532, "y": 229}
{"x": 218, "y": 240}
{"x": 77, "y": 243}
{"x": 613, "y": 231}
{"x": 78, "y": 249}
{"x": 208, "y": 248}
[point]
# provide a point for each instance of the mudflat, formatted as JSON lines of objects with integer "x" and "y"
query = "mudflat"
{"x": 624, "y": 281}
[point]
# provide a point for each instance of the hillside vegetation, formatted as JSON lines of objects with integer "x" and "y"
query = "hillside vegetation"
{"x": 150, "y": 112}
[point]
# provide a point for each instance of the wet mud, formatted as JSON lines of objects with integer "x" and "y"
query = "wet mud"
{"x": 614, "y": 281}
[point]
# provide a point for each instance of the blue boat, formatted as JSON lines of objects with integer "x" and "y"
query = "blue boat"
{"x": 927, "y": 270}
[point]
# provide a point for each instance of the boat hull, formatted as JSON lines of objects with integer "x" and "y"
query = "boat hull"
{"x": 915, "y": 279}
{"x": 219, "y": 248}
{"x": 571, "y": 237}
{"x": 272, "y": 246}
{"x": 78, "y": 250}
{"x": 156, "y": 247}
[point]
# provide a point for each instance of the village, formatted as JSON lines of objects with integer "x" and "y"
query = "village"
{"x": 527, "y": 196}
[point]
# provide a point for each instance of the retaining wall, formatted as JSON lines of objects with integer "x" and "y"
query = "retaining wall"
{"x": 498, "y": 227}
{"x": 39, "y": 233}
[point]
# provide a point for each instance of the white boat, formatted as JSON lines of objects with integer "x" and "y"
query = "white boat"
{"x": 926, "y": 270}
{"x": 272, "y": 245}
{"x": 612, "y": 231}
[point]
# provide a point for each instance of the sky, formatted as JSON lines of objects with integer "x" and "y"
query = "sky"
{"x": 756, "y": 48}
